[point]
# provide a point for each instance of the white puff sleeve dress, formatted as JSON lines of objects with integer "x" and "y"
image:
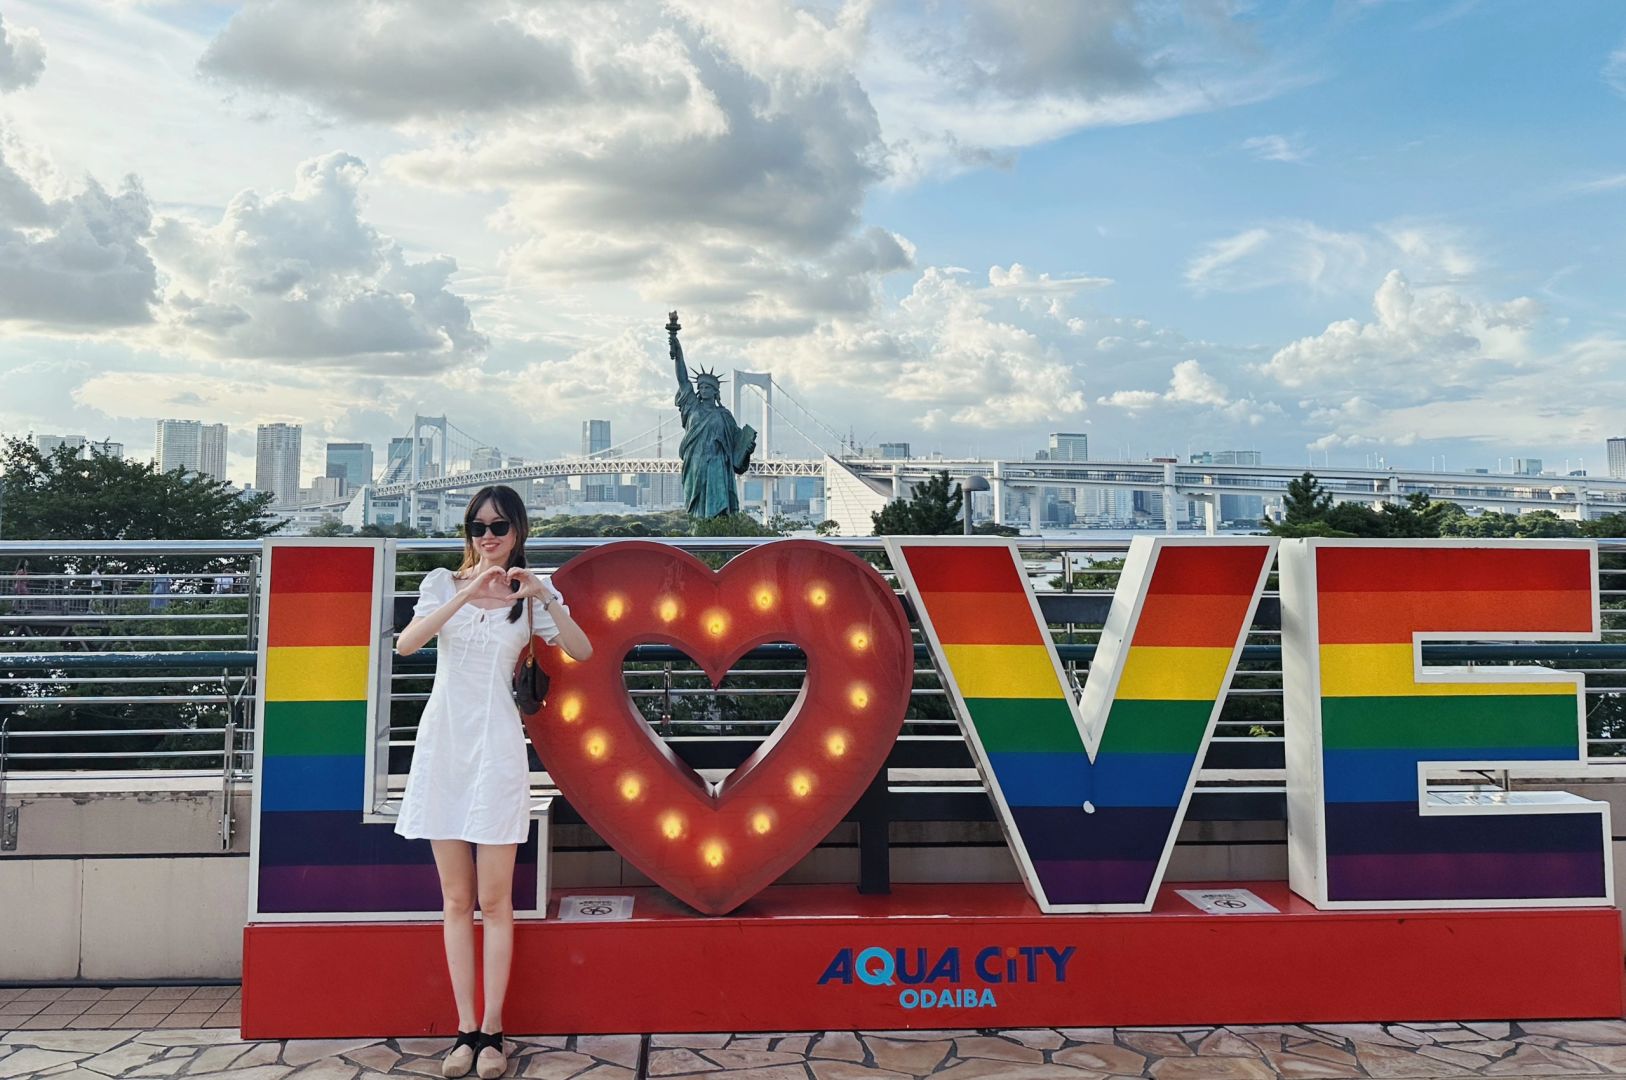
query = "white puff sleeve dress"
{"x": 470, "y": 779}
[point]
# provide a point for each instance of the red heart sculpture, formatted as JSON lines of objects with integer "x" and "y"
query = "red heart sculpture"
{"x": 715, "y": 850}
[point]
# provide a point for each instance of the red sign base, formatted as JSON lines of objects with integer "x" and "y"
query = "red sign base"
{"x": 817, "y": 958}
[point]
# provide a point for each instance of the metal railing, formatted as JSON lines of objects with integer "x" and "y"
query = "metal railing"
{"x": 129, "y": 657}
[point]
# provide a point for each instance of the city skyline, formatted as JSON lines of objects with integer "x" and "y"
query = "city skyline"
{"x": 1338, "y": 233}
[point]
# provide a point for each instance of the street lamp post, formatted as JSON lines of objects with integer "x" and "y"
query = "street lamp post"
{"x": 973, "y": 483}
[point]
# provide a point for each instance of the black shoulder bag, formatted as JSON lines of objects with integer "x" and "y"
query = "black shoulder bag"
{"x": 530, "y": 681}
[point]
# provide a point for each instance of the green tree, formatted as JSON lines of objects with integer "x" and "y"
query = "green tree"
{"x": 61, "y": 496}
{"x": 933, "y": 509}
{"x": 1307, "y": 501}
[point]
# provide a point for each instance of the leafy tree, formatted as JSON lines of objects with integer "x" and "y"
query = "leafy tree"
{"x": 1306, "y": 502}
{"x": 933, "y": 509}
{"x": 331, "y": 526}
{"x": 61, "y": 496}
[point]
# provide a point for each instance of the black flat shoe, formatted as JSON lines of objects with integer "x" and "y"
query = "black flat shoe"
{"x": 460, "y": 1058}
{"x": 491, "y": 1062}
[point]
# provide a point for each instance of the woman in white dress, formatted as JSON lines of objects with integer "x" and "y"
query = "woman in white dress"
{"x": 470, "y": 782}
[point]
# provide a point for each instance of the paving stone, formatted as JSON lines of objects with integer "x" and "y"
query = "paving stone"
{"x": 263, "y": 1072}
{"x": 424, "y": 1047}
{"x": 194, "y": 1021}
{"x": 1323, "y": 1052}
{"x": 906, "y": 1057}
{"x": 1003, "y": 1070}
{"x": 1409, "y": 1035}
{"x": 839, "y": 1045}
{"x": 749, "y": 1042}
{"x": 556, "y": 1065}
{"x": 1491, "y": 1048}
{"x": 1155, "y": 1043}
{"x": 922, "y": 1034}
{"x": 990, "y": 1046}
{"x": 424, "y": 1066}
{"x": 1371, "y": 1034}
{"x": 87, "y": 1042}
{"x": 1089, "y": 1035}
{"x": 1457, "y": 1035}
{"x": 620, "y": 1049}
{"x": 749, "y": 1059}
{"x": 846, "y": 1070}
{"x": 333, "y": 1069}
{"x": 551, "y": 1042}
{"x": 677, "y": 1060}
{"x": 1223, "y": 1043}
{"x": 221, "y": 1058}
{"x": 33, "y": 1059}
{"x": 265, "y": 1053}
{"x": 161, "y": 1067}
{"x": 1292, "y": 1066}
{"x": 794, "y": 1044}
{"x": 304, "y": 1051}
{"x": 1212, "y": 1069}
{"x": 1490, "y": 1029}
{"x": 72, "y": 1072}
{"x": 1455, "y": 1057}
{"x": 376, "y": 1058}
{"x": 1541, "y": 1040}
{"x": 127, "y": 993}
{"x": 1389, "y": 1061}
{"x": 702, "y": 1041}
{"x": 616, "y": 1072}
{"x": 1604, "y": 1032}
{"x": 1038, "y": 1038}
{"x": 1540, "y": 1061}
{"x": 189, "y": 1037}
{"x": 1612, "y": 1058}
{"x": 41, "y": 993}
{"x": 121, "y": 1059}
{"x": 170, "y": 993}
{"x": 1101, "y": 1057}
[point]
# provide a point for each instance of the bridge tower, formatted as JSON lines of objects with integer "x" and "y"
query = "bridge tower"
{"x": 434, "y": 424}
{"x": 763, "y": 381}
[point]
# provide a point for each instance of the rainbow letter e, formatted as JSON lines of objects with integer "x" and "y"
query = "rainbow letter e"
{"x": 1091, "y": 794}
{"x": 1367, "y": 723}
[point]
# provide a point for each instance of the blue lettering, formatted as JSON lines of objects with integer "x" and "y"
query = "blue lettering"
{"x": 919, "y": 973}
{"x": 1059, "y": 957}
{"x": 987, "y": 1000}
{"x": 840, "y": 968}
{"x": 878, "y": 973}
{"x": 947, "y": 968}
{"x": 1030, "y": 953}
{"x": 909, "y": 998}
{"x": 949, "y": 1000}
{"x": 985, "y": 964}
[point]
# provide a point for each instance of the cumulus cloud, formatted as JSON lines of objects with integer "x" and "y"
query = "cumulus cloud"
{"x": 75, "y": 261}
{"x": 1417, "y": 338}
{"x": 300, "y": 275}
{"x": 1305, "y": 255}
{"x": 1190, "y": 385}
{"x": 22, "y": 57}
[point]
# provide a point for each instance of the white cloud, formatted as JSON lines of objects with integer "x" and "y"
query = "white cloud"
{"x": 1305, "y": 255}
{"x": 22, "y": 57}
{"x": 1190, "y": 385}
{"x": 299, "y": 275}
{"x": 1277, "y": 148}
{"x": 1614, "y": 70}
{"x": 74, "y": 262}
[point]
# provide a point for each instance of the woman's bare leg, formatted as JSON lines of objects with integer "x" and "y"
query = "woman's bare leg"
{"x": 456, "y": 866}
{"x": 496, "y": 886}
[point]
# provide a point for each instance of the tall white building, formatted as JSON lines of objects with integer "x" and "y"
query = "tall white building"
{"x": 276, "y": 462}
{"x": 1068, "y": 446}
{"x": 191, "y": 445}
{"x": 1617, "y": 458}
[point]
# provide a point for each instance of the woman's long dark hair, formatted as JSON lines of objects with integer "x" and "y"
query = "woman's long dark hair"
{"x": 512, "y": 509}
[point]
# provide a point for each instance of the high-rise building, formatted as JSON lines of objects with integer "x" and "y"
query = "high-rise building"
{"x": 1527, "y": 466}
{"x": 49, "y": 444}
{"x": 398, "y": 465}
{"x": 894, "y": 450}
{"x": 595, "y": 437}
{"x": 191, "y": 445}
{"x": 1236, "y": 508}
{"x": 1068, "y": 446}
{"x": 276, "y": 462}
{"x": 351, "y": 462}
{"x": 484, "y": 459}
{"x": 1617, "y": 458}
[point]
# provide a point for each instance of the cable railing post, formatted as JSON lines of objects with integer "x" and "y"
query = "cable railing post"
{"x": 8, "y": 813}
{"x": 228, "y": 760}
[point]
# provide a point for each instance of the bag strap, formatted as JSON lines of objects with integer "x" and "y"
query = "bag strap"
{"x": 530, "y": 625}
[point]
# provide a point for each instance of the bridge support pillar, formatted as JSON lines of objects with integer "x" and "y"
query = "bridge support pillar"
{"x": 1171, "y": 522}
{"x": 996, "y": 486}
{"x": 1036, "y": 509}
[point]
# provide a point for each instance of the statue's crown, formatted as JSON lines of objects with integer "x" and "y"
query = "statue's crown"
{"x": 711, "y": 377}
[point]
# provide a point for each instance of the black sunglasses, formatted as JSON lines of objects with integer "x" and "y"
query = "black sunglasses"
{"x": 478, "y": 529}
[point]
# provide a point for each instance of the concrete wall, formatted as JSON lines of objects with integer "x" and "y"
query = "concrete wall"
{"x": 118, "y": 879}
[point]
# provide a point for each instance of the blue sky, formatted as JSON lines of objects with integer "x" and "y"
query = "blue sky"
{"x": 1329, "y": 231}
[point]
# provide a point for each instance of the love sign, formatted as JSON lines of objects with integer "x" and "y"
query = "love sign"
{"x": 1091, "y": 786}
{"x": 715, "y": 845}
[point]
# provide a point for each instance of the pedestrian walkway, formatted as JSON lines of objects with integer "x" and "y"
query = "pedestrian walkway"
{"x": 191, "y": 1032}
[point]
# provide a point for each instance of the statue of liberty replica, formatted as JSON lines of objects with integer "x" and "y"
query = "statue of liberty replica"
{"x": 715, "y": 449}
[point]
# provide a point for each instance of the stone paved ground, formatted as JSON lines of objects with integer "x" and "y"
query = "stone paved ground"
{"x": 185, "y": 1032}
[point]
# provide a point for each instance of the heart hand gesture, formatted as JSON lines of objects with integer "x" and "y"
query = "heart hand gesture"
{"x": 530, "y": 586}
{"x": 489, "y": 585}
